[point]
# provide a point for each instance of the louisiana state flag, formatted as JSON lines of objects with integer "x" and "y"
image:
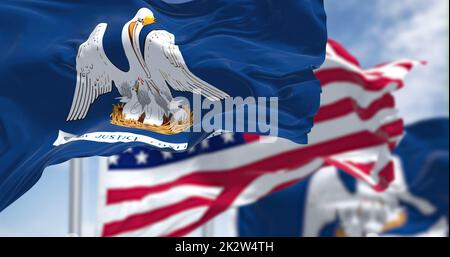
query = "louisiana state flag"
{"x": 89, "y": 77}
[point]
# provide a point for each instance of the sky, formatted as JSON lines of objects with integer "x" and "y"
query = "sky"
{"x": 375, "y": 32}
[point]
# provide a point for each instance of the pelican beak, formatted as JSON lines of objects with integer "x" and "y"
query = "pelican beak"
{"x": 131, "y": 29}
{"x": 148, "y": 20}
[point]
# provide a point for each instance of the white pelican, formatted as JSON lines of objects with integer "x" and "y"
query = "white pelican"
{"x": 145, "y": 86}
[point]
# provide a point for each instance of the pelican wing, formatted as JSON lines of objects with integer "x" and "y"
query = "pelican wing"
{"x": 94, "y": 74}
{"x": 163, "y": 56}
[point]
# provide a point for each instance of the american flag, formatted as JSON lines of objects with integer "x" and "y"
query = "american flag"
{"x": 149, "y": 193}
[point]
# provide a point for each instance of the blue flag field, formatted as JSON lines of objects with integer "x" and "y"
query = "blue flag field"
{"x": 90, "y": 77}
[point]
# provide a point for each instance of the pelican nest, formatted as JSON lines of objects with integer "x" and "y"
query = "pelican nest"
{"x": 169, "y": 127}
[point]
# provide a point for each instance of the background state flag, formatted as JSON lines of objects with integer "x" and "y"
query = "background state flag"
{"x": 331, "y": 203}
{"x": 152, "y": 193}
{"x": 243, "y": 47}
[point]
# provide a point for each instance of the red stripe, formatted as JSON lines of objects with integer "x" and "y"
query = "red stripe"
{"x": 334, "y": 75}
{"x": 248, "y": 137}
{"x": 393, "y": 129}
{"x": 137, "y": 221}
{"x": 365, "y": 168}
{"x": 385, "y": 176}
{"x": 285, "y": 185}
{"x": 221, "y": 204}
{"x": 392, "y": 145}
{"x": 349, "y": 105}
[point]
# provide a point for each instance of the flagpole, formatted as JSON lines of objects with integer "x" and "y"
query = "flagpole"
{"x": 75, "y": 195}
{"x": 208, "y": 229}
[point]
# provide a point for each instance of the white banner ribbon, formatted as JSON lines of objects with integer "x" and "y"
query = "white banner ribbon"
{"x": 116, "y": 137}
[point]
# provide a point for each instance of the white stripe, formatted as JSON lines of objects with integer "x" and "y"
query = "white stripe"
{"x": 386, "y": 68}
{"x": 166, "y": 226}
{"x": 333, "y": 62}
{"x": 396, "y": 139}
{"x": 373, "y": 178}
{"x": 400, "y": 187}
{"x": 335, "y": 92}
{"x": 392, "y": 70}
{"x": 155, "y": 201}
{"x": 362, "y": 155}
{"x": 267, "y": 182}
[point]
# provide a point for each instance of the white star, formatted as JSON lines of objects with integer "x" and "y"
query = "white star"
{"x": 113, "y": 160}
{"x": 141, "y": 158}
{"x": 227, "y": 137}
{"x": 205, "y": 144}
{"x": 166, "y": 155}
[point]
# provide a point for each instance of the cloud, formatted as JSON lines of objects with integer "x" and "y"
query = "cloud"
{"x": 387, "y": 30}
{"x": 422, "y": 35}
